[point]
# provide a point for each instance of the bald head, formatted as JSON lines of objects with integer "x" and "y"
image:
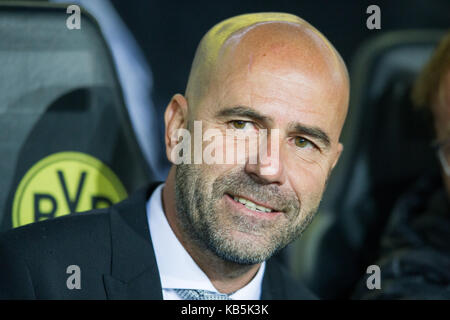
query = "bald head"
{"x": 257, "y": 74}
{"x": 273, "y": 41}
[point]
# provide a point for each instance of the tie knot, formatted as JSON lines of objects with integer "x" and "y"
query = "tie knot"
{"x": 196, "y": 294}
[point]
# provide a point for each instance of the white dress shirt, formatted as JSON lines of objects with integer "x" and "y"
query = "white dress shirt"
{"x": 177, "y": 269}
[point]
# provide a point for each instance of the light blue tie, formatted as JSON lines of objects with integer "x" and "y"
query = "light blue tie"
{"x": 195, "y": 294}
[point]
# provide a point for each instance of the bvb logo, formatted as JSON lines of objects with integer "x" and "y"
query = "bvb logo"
{"x": 64, "y": 183}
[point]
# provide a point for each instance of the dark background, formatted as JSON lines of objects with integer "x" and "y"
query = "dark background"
{"x": 169, "y": 31}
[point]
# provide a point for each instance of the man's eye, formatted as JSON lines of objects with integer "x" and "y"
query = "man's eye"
{"x": 302, "y": 142}
{"x": 239, "y": 124}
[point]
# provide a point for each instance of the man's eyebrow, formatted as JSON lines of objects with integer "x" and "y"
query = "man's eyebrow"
{"x": 242, "y": 111}
{"x": 313, "y": 132}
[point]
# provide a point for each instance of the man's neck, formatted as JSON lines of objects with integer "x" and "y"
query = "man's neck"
{"x": 227, "y": 277}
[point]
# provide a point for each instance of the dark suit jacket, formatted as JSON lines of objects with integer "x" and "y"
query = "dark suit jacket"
{"x": 113, "y": 250}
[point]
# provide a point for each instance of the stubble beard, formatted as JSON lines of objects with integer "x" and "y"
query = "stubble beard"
{"x": 234, "y": 237}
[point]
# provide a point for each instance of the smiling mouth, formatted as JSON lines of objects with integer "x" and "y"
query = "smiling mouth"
{"x": 252, "y": 205}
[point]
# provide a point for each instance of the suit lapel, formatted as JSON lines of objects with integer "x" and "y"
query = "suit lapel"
{"x": 134, "y": 272}
{"x": 279, "y": 285}
{"x": 272, "y": 282}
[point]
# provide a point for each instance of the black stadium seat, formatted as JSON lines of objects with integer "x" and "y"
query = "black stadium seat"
{"x": 66, "y": 142}
{"x": 386, "y": 148}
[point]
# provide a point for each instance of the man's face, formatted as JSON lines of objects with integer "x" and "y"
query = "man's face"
{"x": 262, "y": 92}
{"x": 441, "y": 115}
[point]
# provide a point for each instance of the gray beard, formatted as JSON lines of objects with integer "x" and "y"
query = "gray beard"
{"x": 199, "y": 219}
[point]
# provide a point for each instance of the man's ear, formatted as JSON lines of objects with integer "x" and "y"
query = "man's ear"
{"x": 175, "y": 117}
{"x": 338, "y": 153}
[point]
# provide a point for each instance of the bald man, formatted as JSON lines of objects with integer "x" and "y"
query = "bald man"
{"x": 209, "y": 231}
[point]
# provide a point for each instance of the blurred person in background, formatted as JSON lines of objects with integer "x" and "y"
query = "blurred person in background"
{"x": 415, "y": 247}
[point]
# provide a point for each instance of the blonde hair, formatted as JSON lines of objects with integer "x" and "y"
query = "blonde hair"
{"x": 426, "y": 87}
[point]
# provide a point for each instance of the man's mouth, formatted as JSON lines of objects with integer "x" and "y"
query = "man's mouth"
{"x": 249, "y": 204}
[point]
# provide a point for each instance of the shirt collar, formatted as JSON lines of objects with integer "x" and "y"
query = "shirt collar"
{"x": 178, "y": 270}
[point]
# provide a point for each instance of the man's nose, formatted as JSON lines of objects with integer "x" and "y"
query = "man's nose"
{"x": 269, "y": 165}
